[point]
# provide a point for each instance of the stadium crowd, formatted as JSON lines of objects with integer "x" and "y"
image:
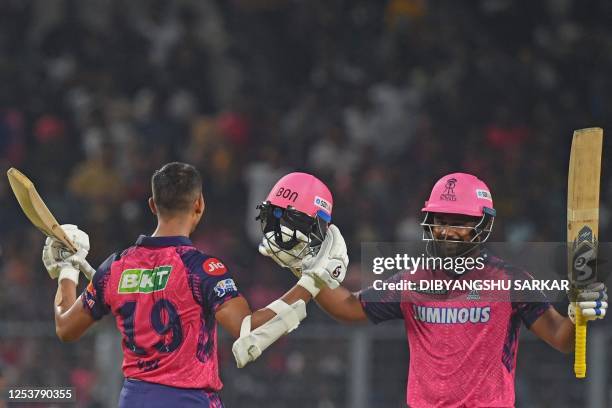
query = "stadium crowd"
{"x": 376, "y": 98}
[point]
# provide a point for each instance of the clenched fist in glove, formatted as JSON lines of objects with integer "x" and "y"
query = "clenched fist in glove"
{"x": 592, "y": 301}
{"x": 328, "y": 266}
{"x": 60, "y": 262}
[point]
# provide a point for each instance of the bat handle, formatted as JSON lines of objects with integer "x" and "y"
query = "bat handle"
{"x": 580, "y": 345}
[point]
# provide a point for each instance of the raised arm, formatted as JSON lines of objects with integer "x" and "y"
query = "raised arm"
{"x": 341, "y": 304}
{"x": 556, "y": 330}
{"x": 231, "y": 314}
{"x": 559, "y": 331}
{"x": 257, "y": 331}
{"x": 71, "y": 319}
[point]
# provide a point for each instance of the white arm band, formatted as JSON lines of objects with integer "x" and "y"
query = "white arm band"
{"x": 251, "y": 344}
{"x": 308, "y": 283}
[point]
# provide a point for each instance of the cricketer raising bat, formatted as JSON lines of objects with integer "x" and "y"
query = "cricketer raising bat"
{"x": 37, "y": 212}
{"x": 582, "y": 224}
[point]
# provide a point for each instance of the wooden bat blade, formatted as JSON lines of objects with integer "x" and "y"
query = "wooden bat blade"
{"x": 583, "y": 205}
{"x": 35, "y": 208}
{"x": 583, "y": 225}
{"x": 24, "y": 190}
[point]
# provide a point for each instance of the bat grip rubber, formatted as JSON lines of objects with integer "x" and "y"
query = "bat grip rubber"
{"x": 580, "y": 345}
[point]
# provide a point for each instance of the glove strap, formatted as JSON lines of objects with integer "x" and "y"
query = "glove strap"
{"x": 285, "y": 312}
{"x": 571, "y": 312}
{"x": 308, "y": 283}
{"x": 81, "y": 264}
{"x": 70, "y": 273}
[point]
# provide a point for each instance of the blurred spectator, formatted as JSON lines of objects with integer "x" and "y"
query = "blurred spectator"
{"x": 96, "y": 179}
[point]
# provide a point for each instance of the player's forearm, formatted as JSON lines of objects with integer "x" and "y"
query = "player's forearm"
{"x": 296, "y": 293}
{"x": 64, "y": 299}
{"x": 565, "y": 336}
{"x": 556, "y": 330}
{"x": 341, "y": 304}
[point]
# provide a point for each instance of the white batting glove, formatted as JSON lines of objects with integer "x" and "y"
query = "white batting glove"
{"x": 328, "y": 267}
{"x": 60, "y": 262}
{"x": 291, "y": 259}
{"x": 592, "y": 301}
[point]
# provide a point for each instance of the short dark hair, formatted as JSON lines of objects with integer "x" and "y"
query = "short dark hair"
{"x": 175, "y": 187}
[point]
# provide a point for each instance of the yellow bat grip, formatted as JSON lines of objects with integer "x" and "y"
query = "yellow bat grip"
{"x": 580, "y": 347}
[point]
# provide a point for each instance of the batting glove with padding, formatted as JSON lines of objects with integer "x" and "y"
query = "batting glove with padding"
{"x": 592, "y": 301}
{"x": 60, "y": 262}
{"x": 329, "y": 265}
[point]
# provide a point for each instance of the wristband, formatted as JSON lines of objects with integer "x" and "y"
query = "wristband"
{"x": 308, "y": 283}
{"x": 69, "y": 272}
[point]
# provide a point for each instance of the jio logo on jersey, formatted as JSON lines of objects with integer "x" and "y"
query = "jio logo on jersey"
{"x": 214, "y": 267}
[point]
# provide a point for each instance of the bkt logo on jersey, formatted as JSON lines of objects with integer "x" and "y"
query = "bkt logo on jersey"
{"x": 451, "y": 315}
{"x": 144, "y": 280}
{"x": 225, "y": 286}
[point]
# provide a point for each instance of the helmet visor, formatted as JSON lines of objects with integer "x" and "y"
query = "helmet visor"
{"x": 291, "y": 231}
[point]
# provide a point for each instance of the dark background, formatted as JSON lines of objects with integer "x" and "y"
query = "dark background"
{"x": 376, "y": 98}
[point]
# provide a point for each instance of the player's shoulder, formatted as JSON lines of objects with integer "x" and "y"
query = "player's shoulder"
{"x": 103, "y": 271}
{"x": 106, "y": 265}
{"x": 507, "y": 269}
{"x": 200, "y": 262}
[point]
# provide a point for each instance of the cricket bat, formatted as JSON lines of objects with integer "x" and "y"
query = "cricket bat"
{"x": 35, "y": 208}
{"x": 583, "y": 224}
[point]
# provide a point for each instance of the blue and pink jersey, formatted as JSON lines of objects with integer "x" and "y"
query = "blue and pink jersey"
{"x": 462, "y": 351}
{"x": 164, "y": 294}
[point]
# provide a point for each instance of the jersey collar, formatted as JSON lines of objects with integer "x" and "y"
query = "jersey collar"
{"x": 144, "y": 240}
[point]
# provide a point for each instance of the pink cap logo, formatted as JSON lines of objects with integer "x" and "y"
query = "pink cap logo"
{"x": 449, "y": 190}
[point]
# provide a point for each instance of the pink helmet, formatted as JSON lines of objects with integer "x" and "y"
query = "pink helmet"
{"x": 295, "y": 216}
{"x": 303, "y": 192}
{"x": 460, "y": 193}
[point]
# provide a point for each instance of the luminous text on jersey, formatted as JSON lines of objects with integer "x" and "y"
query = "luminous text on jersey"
{"x": 144, "y": 280}
{"x": 452, "y": 315}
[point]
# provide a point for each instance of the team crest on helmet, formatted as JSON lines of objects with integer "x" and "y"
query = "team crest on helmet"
{"x": 449, "y": 190}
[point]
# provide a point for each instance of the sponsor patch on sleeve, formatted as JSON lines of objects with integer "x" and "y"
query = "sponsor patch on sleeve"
{"x": 214, "y": 267}
{"x": 91, "y": 289}
{"x": 90, "y": 295}
{"x": 224, "y": 287}
{"x": 484, "y": 194}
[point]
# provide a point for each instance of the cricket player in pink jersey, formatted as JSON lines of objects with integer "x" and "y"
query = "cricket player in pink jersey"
{"x": 167, "y": 296}
{"x": 462, "y": 353}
